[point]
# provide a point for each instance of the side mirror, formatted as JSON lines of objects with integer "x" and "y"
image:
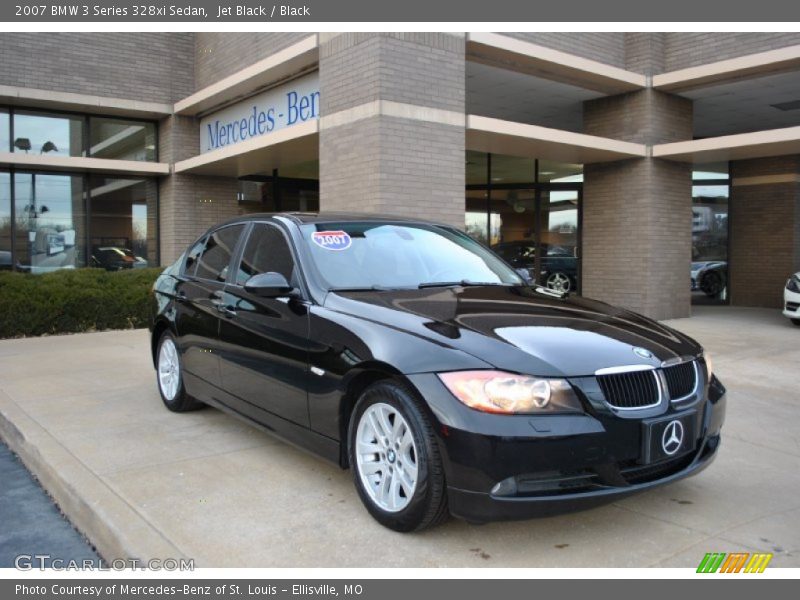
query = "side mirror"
{"x": 268, "y": 285}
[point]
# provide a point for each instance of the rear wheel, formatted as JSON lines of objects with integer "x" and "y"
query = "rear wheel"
{"x": 796, "y": 322}
{"x": 170, "y": 376}
{"x": 395, "y": 459}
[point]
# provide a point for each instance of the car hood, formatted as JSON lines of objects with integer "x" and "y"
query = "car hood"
{"x": 520, "y": 329}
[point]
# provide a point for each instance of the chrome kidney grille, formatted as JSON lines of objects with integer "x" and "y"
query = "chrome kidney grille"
{"x": 681, "y": 380}
{"x": 641, "y": 388}
{"x": 633, "y": 389}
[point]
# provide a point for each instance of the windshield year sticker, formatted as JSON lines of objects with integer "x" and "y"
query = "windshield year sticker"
{"x": 332, "y": 240}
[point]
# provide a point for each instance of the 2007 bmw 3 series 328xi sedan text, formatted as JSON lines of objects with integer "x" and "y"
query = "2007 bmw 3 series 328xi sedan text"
{"x": 413, "y": 355}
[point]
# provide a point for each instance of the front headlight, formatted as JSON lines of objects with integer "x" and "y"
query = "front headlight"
{"x": 793, "y": 285}
{"x": 509, "y": 393}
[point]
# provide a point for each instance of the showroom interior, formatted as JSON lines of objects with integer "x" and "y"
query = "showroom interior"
{"x": 650, "y": 170}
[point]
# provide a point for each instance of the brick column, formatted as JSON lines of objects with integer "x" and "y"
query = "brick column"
{"x": 392, "y": 129}
{"x": 764, "y": 244}
{"x": 188, "y": 204}
{"x": 637, "y": 213}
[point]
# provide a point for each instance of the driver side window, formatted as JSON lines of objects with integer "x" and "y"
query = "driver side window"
{"x": 266, "y": 250}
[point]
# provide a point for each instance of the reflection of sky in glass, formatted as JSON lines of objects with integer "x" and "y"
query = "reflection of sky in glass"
{"x": 39, "y": 130}
{"x": 5, "y": 214}
{"x": 578, "y": 178}
{"x": 139, "y": 221}
{"x": 710, "y": 191}
{"x": 4, "y": 132}
{"x": 563, "y": 218}
{"x": 708, "y": 175}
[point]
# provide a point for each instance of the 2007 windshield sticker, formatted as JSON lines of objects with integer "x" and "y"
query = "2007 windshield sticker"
{"x": 332, "y": 240}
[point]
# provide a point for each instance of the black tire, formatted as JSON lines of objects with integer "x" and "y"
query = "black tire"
{"x": 712, "y": 285}
{"x": 796, "y": 322}
{"x": 181, "y": 401}
{"x": 428, "y": 504}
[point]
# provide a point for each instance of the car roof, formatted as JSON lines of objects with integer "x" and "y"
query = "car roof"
{"x": 302, "y": 218}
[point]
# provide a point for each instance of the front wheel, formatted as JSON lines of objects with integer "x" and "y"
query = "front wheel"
{"x": 712, "y": 285}
{"x": 397, "y": 467}
{"x": 170, "y": 376}
{"x": 796, "y": 322}
{"x": 559, "y": 282}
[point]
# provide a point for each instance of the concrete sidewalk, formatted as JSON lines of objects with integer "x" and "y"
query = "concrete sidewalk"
{"x": 84, "y": 414}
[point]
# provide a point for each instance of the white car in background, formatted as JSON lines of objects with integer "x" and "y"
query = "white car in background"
{"x": 791, "y": 299}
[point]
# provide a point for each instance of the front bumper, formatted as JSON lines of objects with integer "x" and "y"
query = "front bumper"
{"x": 501, "y": 467}
{"x": 791, "y": 304}
{"x": 482, "y": 507}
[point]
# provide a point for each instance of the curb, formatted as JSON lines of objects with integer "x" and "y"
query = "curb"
{"x": 116, "y": 529}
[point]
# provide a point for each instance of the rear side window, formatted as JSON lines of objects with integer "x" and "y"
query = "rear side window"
{"x": 216, "y": 256}
{"x": 193, "y": 256}
{"x": 266, "y": 250}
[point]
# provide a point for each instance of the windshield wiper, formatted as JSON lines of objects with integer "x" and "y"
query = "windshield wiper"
{"x": 463, "y": 282}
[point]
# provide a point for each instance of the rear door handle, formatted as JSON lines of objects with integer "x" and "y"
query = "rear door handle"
{"x": 180, "y": 297}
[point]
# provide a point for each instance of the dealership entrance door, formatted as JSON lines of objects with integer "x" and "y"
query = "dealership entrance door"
{"x": 528, "y": 211}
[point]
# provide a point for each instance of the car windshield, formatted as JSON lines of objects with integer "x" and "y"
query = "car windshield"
{"x": 369, "y": 255}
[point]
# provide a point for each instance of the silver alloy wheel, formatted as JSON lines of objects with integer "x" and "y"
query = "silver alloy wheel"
{"x": 386, "y": 457}
{"x": 559, "y": 282}
{"x": 169, "y": 369}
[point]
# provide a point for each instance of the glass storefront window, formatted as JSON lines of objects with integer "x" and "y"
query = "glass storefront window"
{"x": 476, "y": 167}
{"x": 122, "y": 139}
{"x": 527, "y": 211}
{"x": 709, "y": 243}
{"x": 5, "y": 132}
{"x": 50, "y": 221}
{"x": 48, "y": 133}
{"x": 122, "y": 223}
{"x": 709, "y": 270}
{"x": 5, "y": 221}
{"x": 558, "y": 240}
{"x": 297, "y": 190}
{"x": 709, "y": 171}
{"x": 555, "y": 172}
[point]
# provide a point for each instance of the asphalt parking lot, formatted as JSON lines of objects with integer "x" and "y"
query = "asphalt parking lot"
{"x": 32, "y": 522}
{"x": 84, "y": 414}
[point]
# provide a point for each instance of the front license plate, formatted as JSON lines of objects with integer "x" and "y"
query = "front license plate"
{"x": 668, "y": 437}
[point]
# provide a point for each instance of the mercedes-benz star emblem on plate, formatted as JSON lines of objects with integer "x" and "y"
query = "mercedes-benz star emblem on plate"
{"x": 641, "y": 352}
{"x": 672, "y": 438}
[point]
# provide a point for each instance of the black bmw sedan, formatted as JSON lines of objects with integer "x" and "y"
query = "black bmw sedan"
{"x": 413, "y": 355}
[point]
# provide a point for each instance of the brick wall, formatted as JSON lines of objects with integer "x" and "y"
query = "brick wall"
{"x": 645, "y": 117}
{"x": 637, "y": 213}
{"x": 605, "y": 47}
{"x": 219, "y": 54}
{"x": 764, "y": 247}
{"x": 388, "y": 164}
{"x": 644, "y": 52}
{"x": 188, "y": 204}
{"x": 153, "y": 67}
{"x": 425, "y": 69}
{"x": 685, "y": 49}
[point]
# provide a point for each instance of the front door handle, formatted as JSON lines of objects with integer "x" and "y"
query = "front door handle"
{"x": 226, "y": 310}
{"x": 180, "y": 297}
